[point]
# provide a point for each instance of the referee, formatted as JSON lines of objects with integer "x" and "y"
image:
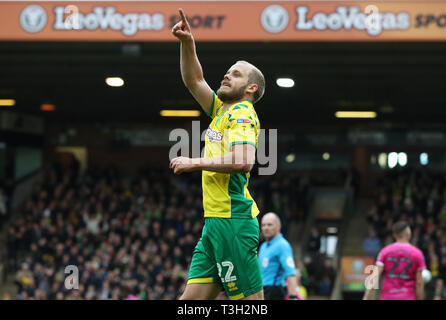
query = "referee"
{"x": 276, "y": 261}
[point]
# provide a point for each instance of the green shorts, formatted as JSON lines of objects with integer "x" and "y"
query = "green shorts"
{"x": 227, "y": 253}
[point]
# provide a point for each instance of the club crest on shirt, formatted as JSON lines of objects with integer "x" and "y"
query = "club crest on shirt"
{"x": 244, "y": 127}
{"x": 213, "y": 135}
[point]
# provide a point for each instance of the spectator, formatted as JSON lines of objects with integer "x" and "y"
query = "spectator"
{"x": 126, "y": 293}
{"x": 301, "y": 290}
{"x": 440, "y": 292}
{"x": 3, "y": 208}
{"x": 310, "y": 265}
{"x": 303, "y": 273}
{"x": 325, "y": 286}
{"x": 329, "y": 270}
{"x": 92, "y": 221}
{"x": 372, "y": 244}
{"x": 314, "y": 243}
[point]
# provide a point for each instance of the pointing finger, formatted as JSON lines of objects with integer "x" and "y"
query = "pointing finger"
{"x": 183, "y": 17}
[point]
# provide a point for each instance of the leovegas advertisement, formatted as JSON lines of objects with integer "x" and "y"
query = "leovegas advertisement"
{"x": 223, "y": 21}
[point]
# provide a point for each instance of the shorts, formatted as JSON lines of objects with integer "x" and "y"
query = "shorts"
{"x": 227, "y": 253}
{"x": 274, "y": 293}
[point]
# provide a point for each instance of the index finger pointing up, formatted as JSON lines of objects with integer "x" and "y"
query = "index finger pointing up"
{"x": 183, "y": 17}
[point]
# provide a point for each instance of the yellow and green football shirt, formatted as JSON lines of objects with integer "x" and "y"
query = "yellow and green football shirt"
{"x": 226, "y": 195}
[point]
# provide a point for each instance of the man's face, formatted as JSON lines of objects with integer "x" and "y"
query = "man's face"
{"x": 270, "y": 227}
{"x": 234, "y": 83}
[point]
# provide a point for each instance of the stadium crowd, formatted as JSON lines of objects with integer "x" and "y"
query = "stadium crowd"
{"x": 6, "y": 192}
{"x": 129, "y": 238}
{"x": 122, "y": 235}
{"x": 419, "y": 197}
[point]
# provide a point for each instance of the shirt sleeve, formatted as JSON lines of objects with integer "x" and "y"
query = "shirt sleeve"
{"x": 260, "y": 252}
{"x": 242, "y": 126}
{"x": 380, "y": 259}
{"x": 215, "y": 105}
{"x": 420, "y": 260}
{"x": 287, "y": 261}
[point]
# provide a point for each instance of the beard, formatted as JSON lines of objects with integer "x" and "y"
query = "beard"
{"x": 231, "y": 95}
{"x": 268, "y": 238}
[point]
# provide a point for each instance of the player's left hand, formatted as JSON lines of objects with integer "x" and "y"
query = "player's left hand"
{"x": 181, "y": 164}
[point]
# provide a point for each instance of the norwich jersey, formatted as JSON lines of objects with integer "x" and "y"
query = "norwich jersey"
{"x": 226, "y": 195}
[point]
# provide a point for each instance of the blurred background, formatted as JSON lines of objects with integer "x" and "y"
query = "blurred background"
{"x": 359, "y": 105}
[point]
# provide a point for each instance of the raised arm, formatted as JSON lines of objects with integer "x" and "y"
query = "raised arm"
{"x": 191, "y": 70}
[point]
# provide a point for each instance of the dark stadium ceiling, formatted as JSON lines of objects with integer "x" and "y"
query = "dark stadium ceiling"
{"x": 404, "y": 82}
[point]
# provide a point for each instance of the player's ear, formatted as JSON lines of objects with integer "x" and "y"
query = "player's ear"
{"x": 252, "y": 87}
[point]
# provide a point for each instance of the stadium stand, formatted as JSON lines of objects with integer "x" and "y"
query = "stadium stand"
{"x": 130, "y": 238}
{"x": 134, "y": 237}
{"x": 118, "y": 232}
{"x": 419, "y": 197}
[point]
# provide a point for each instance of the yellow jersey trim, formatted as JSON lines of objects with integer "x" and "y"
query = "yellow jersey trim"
{"x": 237, "y": 297}
{"x": 201, "y": 280}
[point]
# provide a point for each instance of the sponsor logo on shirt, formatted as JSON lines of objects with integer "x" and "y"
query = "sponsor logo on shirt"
{"x": 213, "y": 135}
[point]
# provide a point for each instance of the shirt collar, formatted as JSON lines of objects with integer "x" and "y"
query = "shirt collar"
{"x": 276, "y": 238}
{"x": 246, "y": 102}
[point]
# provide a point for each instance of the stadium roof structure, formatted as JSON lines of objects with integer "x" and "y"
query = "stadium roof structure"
{"x": 403, "y": 82}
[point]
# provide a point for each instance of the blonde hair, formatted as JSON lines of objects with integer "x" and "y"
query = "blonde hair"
{"x": 256, "y": 76}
